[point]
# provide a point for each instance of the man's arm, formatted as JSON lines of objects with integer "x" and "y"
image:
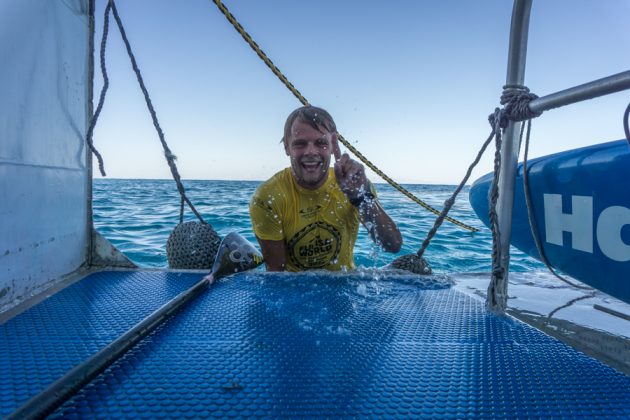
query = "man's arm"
{"x": 355, "y": 185}
{"x": 380, "y": 226}
{"x": 274, "y": 253}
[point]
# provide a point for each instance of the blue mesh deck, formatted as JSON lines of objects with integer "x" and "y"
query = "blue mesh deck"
{"x": 281, "y": 345}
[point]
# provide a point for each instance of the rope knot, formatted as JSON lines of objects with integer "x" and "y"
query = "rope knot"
{"x": 515, "y": 100}
{"x": 498, "y": 119}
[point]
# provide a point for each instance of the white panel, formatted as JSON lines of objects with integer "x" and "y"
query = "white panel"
{"x": 43, "y": 118}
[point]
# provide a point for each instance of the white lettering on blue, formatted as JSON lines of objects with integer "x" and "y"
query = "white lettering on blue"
{"x": 579, "y": 223}
{"x": 609, "y": 226}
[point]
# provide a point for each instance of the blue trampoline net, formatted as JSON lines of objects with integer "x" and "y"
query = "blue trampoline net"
{"x": 314, "y": 344}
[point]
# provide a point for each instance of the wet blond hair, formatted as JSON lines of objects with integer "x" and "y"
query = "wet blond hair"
{"x": 312, "y": 115}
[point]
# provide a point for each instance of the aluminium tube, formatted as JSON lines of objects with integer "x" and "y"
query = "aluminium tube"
{"x": 497, "y": 291}
{"x": 600, "y": 87}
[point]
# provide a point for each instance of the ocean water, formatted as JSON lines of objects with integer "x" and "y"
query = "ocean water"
{"x": 137, "y": 215}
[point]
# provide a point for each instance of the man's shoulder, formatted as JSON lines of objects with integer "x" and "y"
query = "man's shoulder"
{"x": 279, "y": 181}
{"x": 271, "y": 195}
{"x": 275, "y": 189}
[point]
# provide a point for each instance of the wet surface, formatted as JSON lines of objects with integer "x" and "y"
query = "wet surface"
{"x": 587, "y": 319}
{"x": 315, "y": 344}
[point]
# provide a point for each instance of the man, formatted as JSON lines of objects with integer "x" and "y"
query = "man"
{"x": 307, "y": 216}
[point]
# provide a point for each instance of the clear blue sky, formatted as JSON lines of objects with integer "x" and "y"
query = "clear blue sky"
{"x": 409, "y": 83}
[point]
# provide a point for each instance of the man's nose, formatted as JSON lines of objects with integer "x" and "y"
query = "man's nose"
{"x": 310, "y": 148}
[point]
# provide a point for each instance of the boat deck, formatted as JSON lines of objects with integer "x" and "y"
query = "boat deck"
{"x": 263, "y": 344}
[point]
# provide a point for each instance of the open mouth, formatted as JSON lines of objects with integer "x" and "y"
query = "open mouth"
{"x": 311, "y": 166}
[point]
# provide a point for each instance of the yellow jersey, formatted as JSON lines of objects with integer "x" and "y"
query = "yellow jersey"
{"x": 318, "y": 227}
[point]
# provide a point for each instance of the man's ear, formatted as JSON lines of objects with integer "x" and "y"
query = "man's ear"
{"x": 286, "y": 146}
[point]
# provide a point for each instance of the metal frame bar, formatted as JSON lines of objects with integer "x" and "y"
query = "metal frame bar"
{"x": 510, "y": 149}
{"x": 594, "y": 89}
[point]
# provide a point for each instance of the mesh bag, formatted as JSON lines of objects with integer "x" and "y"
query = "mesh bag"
{"x": 413, "y": 263}
{"x": 192, "y": 245}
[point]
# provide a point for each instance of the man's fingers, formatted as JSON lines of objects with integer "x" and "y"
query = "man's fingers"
{"x": 337, "y": 152}
{"x": 347, "y": 170}
{"x": 336, "y": 148}
{"x": 342, "y": 163}
{"x": 338, "y": 172}
{"x": 343, "y": 169}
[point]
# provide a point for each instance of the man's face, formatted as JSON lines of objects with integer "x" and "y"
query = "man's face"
{"x": 309, "y": 150}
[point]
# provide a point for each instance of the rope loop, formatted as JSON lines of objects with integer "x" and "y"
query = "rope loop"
{"x": 498, "y": 120}
{"x": 515, "y": 100}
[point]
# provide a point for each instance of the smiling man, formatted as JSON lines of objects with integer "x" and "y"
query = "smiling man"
{"x": 307, "y": 216}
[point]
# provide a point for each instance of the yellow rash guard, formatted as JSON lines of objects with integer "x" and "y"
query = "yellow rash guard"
{"x": 318, "y": 227}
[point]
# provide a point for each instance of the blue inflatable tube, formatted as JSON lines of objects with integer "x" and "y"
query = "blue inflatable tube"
{"x": 581, "y": 203}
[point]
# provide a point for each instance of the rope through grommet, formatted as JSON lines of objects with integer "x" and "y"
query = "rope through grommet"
{"x": 239, "y": 28}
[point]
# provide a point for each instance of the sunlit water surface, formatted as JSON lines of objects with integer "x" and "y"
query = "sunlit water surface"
{"x": 138, "y": 215}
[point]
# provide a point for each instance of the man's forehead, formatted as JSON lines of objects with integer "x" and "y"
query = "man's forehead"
{"x": 300, "y": 128}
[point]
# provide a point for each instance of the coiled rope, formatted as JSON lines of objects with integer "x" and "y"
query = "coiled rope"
{"x": 239, "y": 28}
{"x": 191, "y": 244}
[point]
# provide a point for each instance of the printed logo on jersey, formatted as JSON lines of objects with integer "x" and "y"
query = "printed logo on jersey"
{"x": 310, "y": 211}
{"x": 315, "y": 246}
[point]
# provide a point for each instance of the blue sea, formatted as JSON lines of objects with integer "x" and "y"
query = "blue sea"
{"x": 137, "y": 216}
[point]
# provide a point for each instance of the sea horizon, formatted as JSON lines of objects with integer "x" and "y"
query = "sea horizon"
{"x": 137, "y": 215}
{"x": 381, "y": 182}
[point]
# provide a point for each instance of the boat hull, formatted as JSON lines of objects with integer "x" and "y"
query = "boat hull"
{"x": 581, "y": 206}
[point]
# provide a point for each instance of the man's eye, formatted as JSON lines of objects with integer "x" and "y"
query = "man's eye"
{"x": 322, "y": 144}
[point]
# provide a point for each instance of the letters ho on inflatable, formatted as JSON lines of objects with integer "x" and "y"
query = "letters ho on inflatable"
{"x": 581, "y": 204}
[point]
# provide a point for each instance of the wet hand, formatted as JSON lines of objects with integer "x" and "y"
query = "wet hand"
{"x": 350, "y": 176}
